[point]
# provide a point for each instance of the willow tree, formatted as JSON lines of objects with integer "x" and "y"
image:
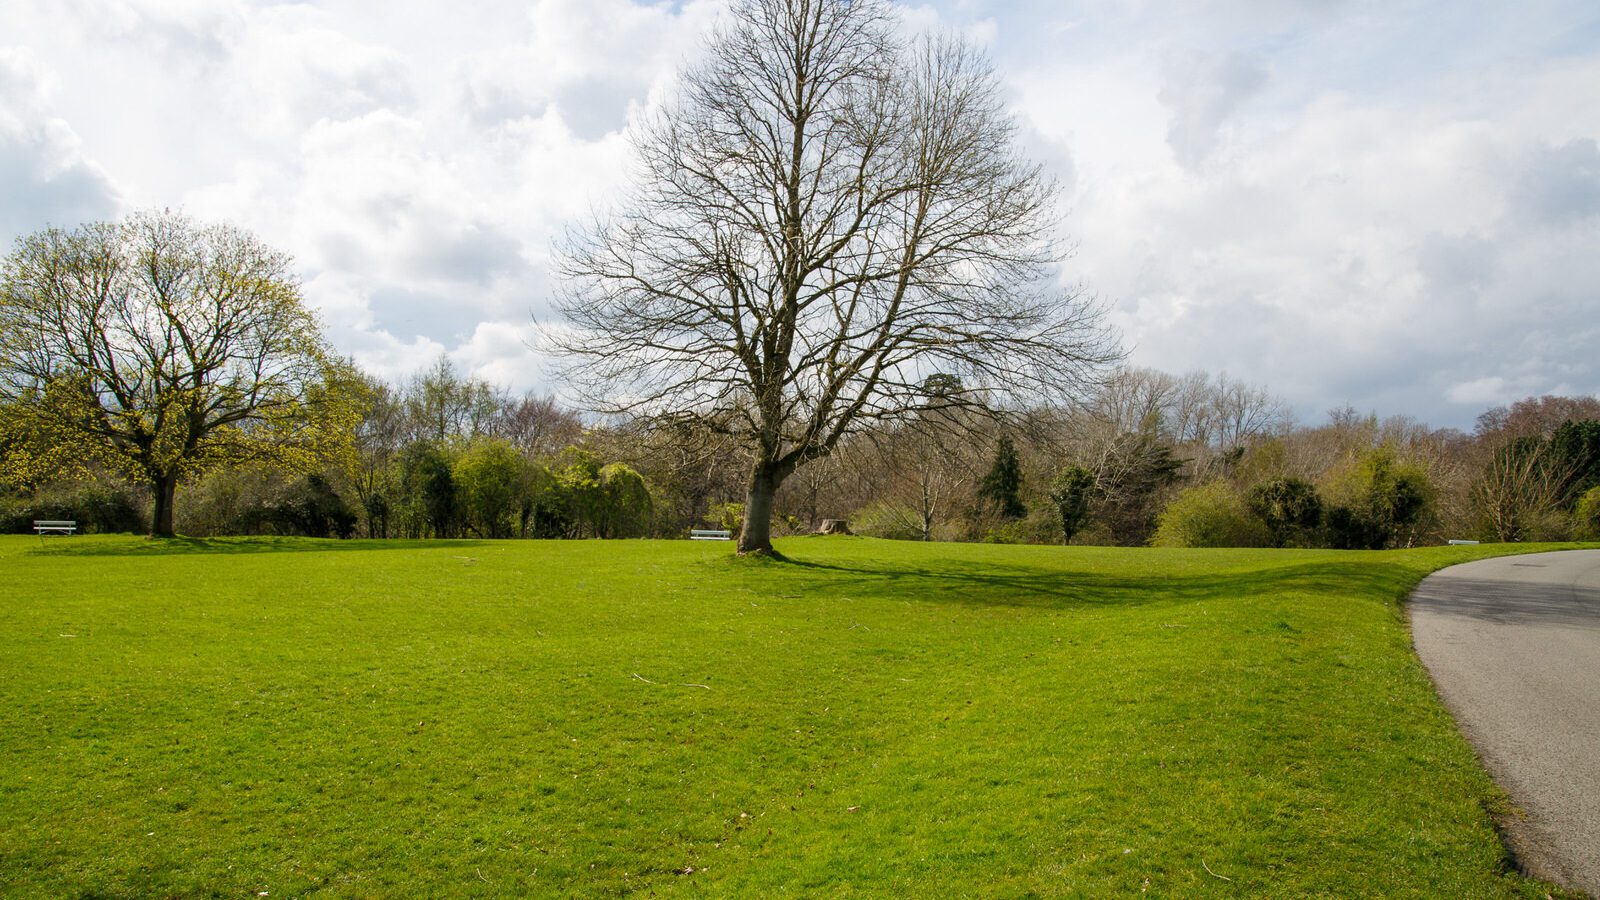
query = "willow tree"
{"x": 824, "y": 215}
{"x": 162, "y": 348}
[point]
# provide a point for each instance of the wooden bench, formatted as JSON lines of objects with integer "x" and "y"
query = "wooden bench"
{"x": 709, "y": 534}
{"x": 42, "y": 527}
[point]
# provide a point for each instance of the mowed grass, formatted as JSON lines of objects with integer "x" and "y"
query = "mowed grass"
{"x": 288, "y": 717}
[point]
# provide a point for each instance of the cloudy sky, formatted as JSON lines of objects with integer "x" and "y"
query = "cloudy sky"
{"x": 1390, "y": 204}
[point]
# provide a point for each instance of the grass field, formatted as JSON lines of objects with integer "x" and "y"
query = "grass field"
{"x": 239, "y": 717}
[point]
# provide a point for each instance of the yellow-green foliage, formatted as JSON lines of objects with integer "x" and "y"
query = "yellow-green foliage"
{"x": 1210, "y": 515}
{"x": 1586, "y": 515}
{"x": 161, "y": 349}
{"x": 492, "y": 482}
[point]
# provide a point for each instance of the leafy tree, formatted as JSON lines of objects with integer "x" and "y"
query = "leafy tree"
{"x": 1576, "y": 445}
{"x": 163, "y": 348}
{"x": 624, "y": 506}
{"x": 1586, "y": 515}
{"x": 826, "y": 214}
{"x": 1209, "y": 515}
{"x": 492, "y": 482}
{"x": 1385, "y": 500}
{"x": 1002, "y": 486}
{"x": 428, "y": 488}
{"x": 1071, "y": 492}
{"x": 579, "y": 483}
{"x": 442, "y": 406}
{"x": 543, "y": 512}
{"x": 378, "y": 437}
{"x": 1290, "y": 509}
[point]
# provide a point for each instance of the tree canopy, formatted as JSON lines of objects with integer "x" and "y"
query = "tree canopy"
{"x": 161, "y": 348}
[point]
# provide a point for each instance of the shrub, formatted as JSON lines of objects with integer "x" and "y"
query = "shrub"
{"x": 310, "y": 506}
{"x": 1382, "y": 501}
{"x": 97, "y": 508}
{"x": 1210, "y": 515}
{"x": 727, "y": 516}
{"x": 1289, "y": 508}
{"x": 227, "y": 501}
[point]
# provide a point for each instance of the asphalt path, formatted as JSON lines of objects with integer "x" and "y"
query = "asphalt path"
{"x": 1513, "y": 645}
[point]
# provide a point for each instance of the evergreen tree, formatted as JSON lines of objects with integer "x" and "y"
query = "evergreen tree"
{"x": 1071, "y": 492}
{"x": 1003, "y": 485}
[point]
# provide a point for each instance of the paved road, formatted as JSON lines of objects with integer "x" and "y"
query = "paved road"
{"x": 1513, "y": 645}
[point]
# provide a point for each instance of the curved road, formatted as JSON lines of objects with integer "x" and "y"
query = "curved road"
{"x": 1513, "y": 645}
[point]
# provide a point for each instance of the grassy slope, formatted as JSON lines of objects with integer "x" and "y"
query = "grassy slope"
{"x": 586, "y": 718}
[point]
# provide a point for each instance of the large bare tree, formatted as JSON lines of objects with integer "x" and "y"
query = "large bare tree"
{"x": 826, "y": 215}
{"x": 162, "y": 347}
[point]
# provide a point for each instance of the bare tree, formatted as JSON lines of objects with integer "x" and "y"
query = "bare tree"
{"x": 1241, "y": 412}
{"x": 162, "y": 347}
{"x": 538, "y": 425}
{"x": 923, "y": 467}
{"x": 824, "y": 217}
{"x": 1521, "y": 488}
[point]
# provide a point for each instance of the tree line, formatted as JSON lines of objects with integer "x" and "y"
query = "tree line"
{"x": 1149, "y": 458}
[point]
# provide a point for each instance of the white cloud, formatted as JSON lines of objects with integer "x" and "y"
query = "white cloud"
{"x": 1394, "y": 207}
{"x": 47, "y": 177}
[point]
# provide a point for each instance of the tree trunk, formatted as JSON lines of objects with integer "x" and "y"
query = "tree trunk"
{"x": 756, "y": 535}
{"x": 163, "y": 487}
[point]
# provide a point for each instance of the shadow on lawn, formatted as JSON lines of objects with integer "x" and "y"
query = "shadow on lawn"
{"x": 188, "y": 546}
{"x": 991, "y": 584}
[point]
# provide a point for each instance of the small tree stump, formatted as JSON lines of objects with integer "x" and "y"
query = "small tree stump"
{"x": 834, "y": 526}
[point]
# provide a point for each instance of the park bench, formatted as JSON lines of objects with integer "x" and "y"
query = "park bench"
{"x": 709, "y": 534}
{"x": 54, "y": 526}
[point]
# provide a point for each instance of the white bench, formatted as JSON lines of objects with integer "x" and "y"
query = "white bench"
{"x": 709, "y": 534}
{"x": 53, "y": 526}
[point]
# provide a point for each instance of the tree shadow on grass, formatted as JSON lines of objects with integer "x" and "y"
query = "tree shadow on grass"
{"x": 192, "y": 546}
{"x": 1009, "y": 584}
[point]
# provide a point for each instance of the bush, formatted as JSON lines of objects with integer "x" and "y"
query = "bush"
{"x": 97, "y": 508}
{"x": 1290, "y": 508}
{"x": 727, "y": 516}
{"x": 1382, "y": 501}
{"x": 1210, "y": 515}
{"x": 310, "y": 507}
{"x": 228, "y": 501}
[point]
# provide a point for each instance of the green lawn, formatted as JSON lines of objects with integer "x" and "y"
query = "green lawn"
{"x": 193, "y": 718}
